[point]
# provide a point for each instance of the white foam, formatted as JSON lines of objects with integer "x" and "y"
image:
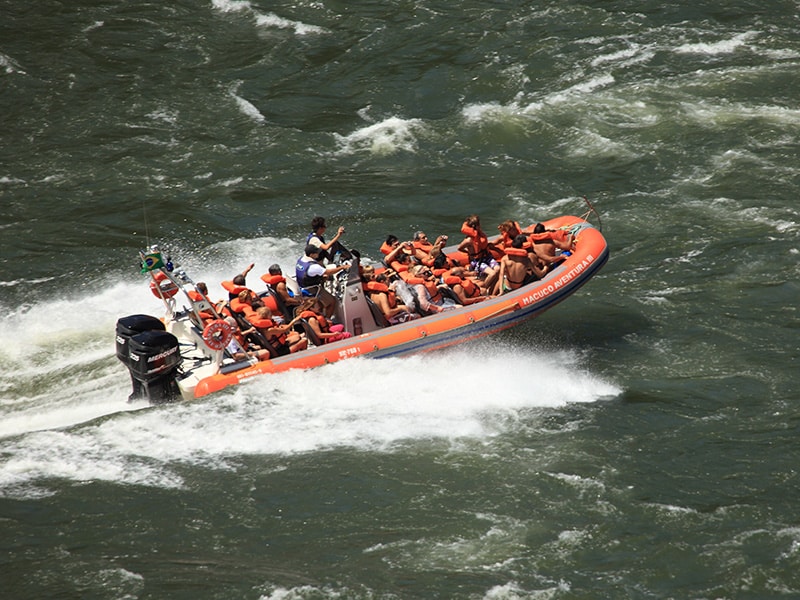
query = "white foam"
{"x": 9, "y": 65}
{"x": 386, "y": 137}
{"x": 587, "y": 143}
{"x": 708, "y": 113}
{"x": 360, "y": 403}
{"x": 11, "y": 180}
{"x": 309, "y": 591}
{"x": 230, "y": 5}
{"x": 625, "y": 57}
{"x": 513, "y": 591}
{"x": 249, "y": 109}
{"x": 475, "y": 114}
{"x": 165, "y": 115}
{"x": 580, "y": 88}
{"x": 273, "y": 20}
{"x": 517, "y": 111}
{"x": 721, "y": 47}
{"x": 268, "y": 20}
{"x": 764, "y": 216}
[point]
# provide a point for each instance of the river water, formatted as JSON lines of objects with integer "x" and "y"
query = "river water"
{"x": 639, "y": 440}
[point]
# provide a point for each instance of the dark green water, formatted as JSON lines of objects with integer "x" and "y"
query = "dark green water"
{"x": 637, "y": 441}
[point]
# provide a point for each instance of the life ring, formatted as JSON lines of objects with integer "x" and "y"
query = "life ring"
{"x": 162, "y": 286}
{"x": 217, "y": 334}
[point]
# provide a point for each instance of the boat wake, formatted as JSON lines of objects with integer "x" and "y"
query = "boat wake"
{"x": 376, "y": 406}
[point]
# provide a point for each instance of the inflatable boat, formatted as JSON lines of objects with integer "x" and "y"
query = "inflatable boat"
{"x": 183, "y": 354}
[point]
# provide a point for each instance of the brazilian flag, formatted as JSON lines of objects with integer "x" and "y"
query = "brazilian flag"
{"x": 152, "y": 261}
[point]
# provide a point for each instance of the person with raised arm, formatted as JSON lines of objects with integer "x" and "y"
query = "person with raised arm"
{"x": 329, "y": 250}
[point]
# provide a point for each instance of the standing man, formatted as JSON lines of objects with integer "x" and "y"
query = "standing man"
{"x": 329, "y": 249}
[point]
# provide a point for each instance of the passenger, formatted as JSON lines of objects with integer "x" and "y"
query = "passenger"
{"x": 200, "y": 294}
{"x": 367, "y": 273}
{"x": 401, "y": 257}
{"x": 516, "y": 267}
{"x": 239, "y": 282}
{"x": 442, "y": 263}
{"x": 465, "y": 288}
{"x": 560, "y": 238}
{"x": 431, "y": 299}
{"x": 232, "y": 288}
{"x": 243, "y": 303}
{"x": 477, "y": 246}
{"x": 424, "y": 251}
{"x": 545, "y": 242}
{"x": 275, "y": 279}
{"x": 389, "y": 244}
{"x": 508, "y": 231}
{"x": 311, "y": 274}
{"x": 380, "y": 291}
{"x": 312, "y": 311}
{"x": 282, "y": 337}
{"x": 404, "y": 292}
{"x": 239, "y": 348}
{"x": 330, "y": 249}
{"x": 235, "y": 288}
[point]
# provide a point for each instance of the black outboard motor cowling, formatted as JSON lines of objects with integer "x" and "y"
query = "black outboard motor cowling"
{"x": 152, "y": 360}
{"x": 127, "y": 327}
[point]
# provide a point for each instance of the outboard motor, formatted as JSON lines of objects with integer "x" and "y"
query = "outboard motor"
{"x": 127, "y": 327}
{"x": 152, "y": 356}
{"x": 154, "y": 360}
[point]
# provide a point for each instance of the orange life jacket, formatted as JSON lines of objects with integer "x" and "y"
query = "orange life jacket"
{"x": 232, "y": 288}
{"x": 560, "y": 235}
{"x": 507, "y": 238}
{"x": 425, "y": 248}
{"x": 198, "y": 297}
{"x": 478, "y": 240}
{"x": 377, "y": 287}
{"x": 239, "y": 337}
{"x": 273, "y": 280}
{"x": 241, "y": 307}
{"x": 433, "y": 289}
{"x": 310, "y": 314}
{"x": 257, "y": 321}
{"x": 399, "y": 267}
{"x": 270, "y": 302}
{"x": 386, "y": 248}
{"x": 516, "y": 252}
{"x": 274, "y": 339}
{"x": 470, "y": 287}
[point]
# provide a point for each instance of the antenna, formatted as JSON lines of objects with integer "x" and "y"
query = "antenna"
{"x": 146, "y": 224}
